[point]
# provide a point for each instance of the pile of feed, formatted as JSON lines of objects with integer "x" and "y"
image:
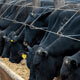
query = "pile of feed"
{"x": 19, "y": 69}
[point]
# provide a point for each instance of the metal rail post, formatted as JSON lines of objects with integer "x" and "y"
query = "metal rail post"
{"x": 36, "y": 3}
{"x": 59, "y": 3}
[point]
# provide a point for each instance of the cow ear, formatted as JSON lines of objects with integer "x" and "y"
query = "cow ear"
{"x": 74, "y": 63}
{"x": 44, "y": 54}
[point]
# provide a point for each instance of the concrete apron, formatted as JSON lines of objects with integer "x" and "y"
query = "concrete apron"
{"x": 7, "y": 74}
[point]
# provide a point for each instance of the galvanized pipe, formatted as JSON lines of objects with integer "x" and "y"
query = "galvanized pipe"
{"x": 59, "y": 3}
{"x": 36, "y": 3}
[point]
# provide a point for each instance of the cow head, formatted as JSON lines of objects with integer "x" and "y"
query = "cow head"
{"x": 44, "y": 66}
{"x": 31, "y": 17}
{"x": 10, "y": 38}
{"x": 42, "y": 52}
{"x": 34, "y": 14}
{"x": 6, "y": 38}
{"x": 13, "y": 37}
{"x": 28, "y": 55}
{"x": 69, "y": 67}
{"x": 14, "y": 56}
{"x": 14, "y": 47}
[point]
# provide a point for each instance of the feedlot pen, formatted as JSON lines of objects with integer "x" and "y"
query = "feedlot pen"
{"x": 5, "y": 72}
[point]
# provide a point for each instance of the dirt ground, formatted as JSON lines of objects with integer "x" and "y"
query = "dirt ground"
{"x": 20, "y": 68}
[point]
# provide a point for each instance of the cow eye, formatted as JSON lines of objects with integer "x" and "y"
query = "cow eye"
{"x": 45, "y": 53}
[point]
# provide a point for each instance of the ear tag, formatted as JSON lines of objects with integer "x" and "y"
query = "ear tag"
{"x": 24, "y": 56}
{"x": 12, "y": 40}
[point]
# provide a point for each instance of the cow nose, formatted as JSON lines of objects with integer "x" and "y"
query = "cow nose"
{"x": 73, "y": 64}
{"x": 63, "y": 77}
{"x": 45, "y": 53}
{"x": 42, "y": 52}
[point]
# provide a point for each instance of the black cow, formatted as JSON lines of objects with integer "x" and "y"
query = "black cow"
{"x": 31, "y": 51}
{"x": 35, "y": 38}
{"x": 40, "y": 22}
{"x": 13, "y": 43}
{"x": 9, "y": 25}
{"x": 52, "y": 55}
{"x": 10, "y": 13}
{"x": 21, "y": 36}
{"x": 45, "y": 39}
{"x": 30, "y": 18}
{"x": 11, "y": 38}
{"x": 5, "y": 32}
{"x": 71, "y": 67}
{"x": 6, "y": 28}
{"x": 14, "y": 56}
{"x": 12, "y": 46}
